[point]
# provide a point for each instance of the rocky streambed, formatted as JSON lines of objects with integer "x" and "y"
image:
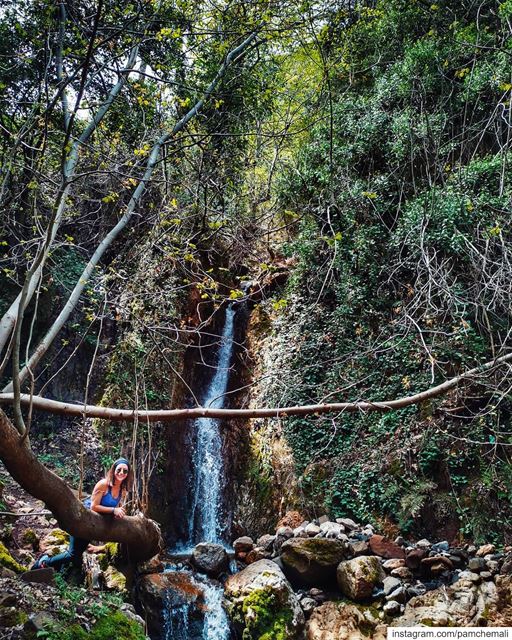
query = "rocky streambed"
{"x": 326, "y": 580}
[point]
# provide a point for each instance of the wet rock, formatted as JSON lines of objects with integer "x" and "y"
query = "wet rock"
{"x": 400, "y": 541}
{"x": 153, "y": 565}
{"x": 210, "y": 558}
{"x": 257, "y": 554}
{"x": 358, "y": 577}
{"x": 384, "y": 548}
{"x": 312, "y": 561}
{"x": 259, "y": 593}
{"x": 339, "y": 621}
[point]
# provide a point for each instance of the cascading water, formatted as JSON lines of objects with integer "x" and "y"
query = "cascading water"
{"x": 204, "y": 518}
{"x": 205, "y": 515}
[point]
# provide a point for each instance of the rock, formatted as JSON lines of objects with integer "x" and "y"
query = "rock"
{"x": 39, "y": 622}
{"x": 285, "y": 532}
{"x": 266, "y": 542}
{"x": 486, "y": 575}
{"x": 243, "y": 544}
{"x": 440, "y": 546}
{"x": 261, "y": 594}
{"x": 493, "y": 566}
{"x": 398, "y": 595}
{"x": 360, "y": 548}
{"x": 469, "y": 576}
{"x": 358, "y": 577}
{"x": 477, "y": 564}
{"x": 323, "y": 519}
{"x": 171, "y": 590}
{"x": 128, "y": 610}
{"x": 506, "y": 567}
{"x": 114, "y": 579}
{"x": 394, "y": 563}
{"x": 458, "y": 605}
{"x": 317, "y": 594}
{"x": 41, "y": 576}
{"x": 384, "y": 548}
{"x": 413, "y": 558}
{"x": 391, "y": 608}
{"x": 437, "y": 564}
{"x": 7, "y": 573}
{"x": 416, "y": 590}
{"x": 399, "y": 540}
{"x": 291, "y": 519}
{"x": 312, "y": 529}
{"x": 153, "y": 565}
{"x": 312, "y": 561}
{"x": 55, "y": 542}
{"x": 423, "y": 544}
{"x": 257, "y": 554}
{"x": 331, "y": 529}
{"x": 347, "y": 524}
{"x": 390, "y": 584}
{"x": 308, "y": 605}
{"x": 300, "y": 532}
{"x": 210, "y": 558}
{"x": 485, "y": 550}
{"x": 403, "y": 573}
{"x": 339, "y": 621}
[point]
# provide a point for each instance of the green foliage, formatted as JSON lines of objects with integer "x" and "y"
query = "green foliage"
{"x": 263, "y": 616}
{"x": 109, "y": 625}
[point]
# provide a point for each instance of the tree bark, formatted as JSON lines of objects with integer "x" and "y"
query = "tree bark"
{"x": 140, "y": 534}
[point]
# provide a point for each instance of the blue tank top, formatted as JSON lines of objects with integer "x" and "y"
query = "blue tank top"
{"x": 107, "y": 500}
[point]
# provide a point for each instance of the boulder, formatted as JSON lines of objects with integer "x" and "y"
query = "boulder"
{"x": 358, "y": 577}
{"x": 414, "y": 558}
{"x": 390, "y": 584}
{"x": 461, "y": 605}
{"x": 257, "y": 554}
{"x": 347, "y": 524}
{"x": 153, "y": 565}
{"x": 266, "y": 542}
{"x": 312, "y": 529}
{"x": 312, "y": 561}
{"x": 360, "y": 548}
{"x": 394, "y": 563}
{"x": 210, "y": 558}
{"x": 391, "y": 608}
{"x": 385, "y": 548}
{"x": 261, "y": 603}
{"x": 339, "y": 621}
{"x": 485, "y": 550}
{"x": 243, "y": 545}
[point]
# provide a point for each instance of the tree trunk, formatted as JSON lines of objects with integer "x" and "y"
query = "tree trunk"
{"x": 141, "y": 535}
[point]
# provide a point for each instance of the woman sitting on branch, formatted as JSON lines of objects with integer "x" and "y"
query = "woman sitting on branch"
{"x": 107, "y": 498}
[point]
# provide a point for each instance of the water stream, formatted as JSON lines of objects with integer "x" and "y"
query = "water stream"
{"x": 206, "y": 523}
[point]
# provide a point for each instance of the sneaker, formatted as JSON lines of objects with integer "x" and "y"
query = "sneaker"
{"x": 41, "y": 562}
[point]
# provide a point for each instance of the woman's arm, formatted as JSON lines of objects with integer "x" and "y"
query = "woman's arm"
{"x": 97, "y": 494}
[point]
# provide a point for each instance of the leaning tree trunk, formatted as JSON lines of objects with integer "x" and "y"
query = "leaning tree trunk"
{"x": 140, "y": 534}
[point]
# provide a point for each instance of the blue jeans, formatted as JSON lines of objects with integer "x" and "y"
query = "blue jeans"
{"x": 73, "y": 554}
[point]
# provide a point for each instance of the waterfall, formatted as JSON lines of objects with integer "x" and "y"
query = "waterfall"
{"x": 204, "y": 518}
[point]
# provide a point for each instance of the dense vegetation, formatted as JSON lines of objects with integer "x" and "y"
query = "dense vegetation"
{"x": 363, "y": 145}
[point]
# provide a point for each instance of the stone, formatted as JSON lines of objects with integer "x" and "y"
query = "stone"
{"x": 312, "y": 561}
{"x": 391, "y": 608}
{"x": 393, "y": 563}
{"x": 300, "y": 532}
{"x": 384, "y": 548}
{"x": 400, "y": 541}
{"x": 360, "y": 548}
{"x": 128, "y": 610}
{"x": 469, "y": 576}
{"x": 506, "y": 567}
{"x": 323, "y": 519}
{"x": 243, "y": 544}
{"x": 290, "y": 519}
{"x": 459, "y": 605}
{"x": 358, "y": 577}
{"x": 210, "y": 558}
{"x": 331, "y": 528}
{"x": 416, "y": 590}
{"x": 423, "y": 544}
{"x": 486, "y": 575}
{"x": 39, "y": 622}
{"x": 390, "y": 584}
{"x": 398, "y": 595}
{"x": 312, "y": 529}
{"x": 41, "y": 576}
{"x": 308, "y": 605}
{"x": 257, "y": 554}
{"x": 153, "y": 565}
{"x": 285, "y": 532}
{"x": 266, "y": 542}
{"x": 317, "y": 594}
{"x": 437, "y": 564}
{"x": 339, "y": 621}
{"x": 440, "y": 546}
{"x": 477, "y": 564}
{"x": 262, "y": 590}
{"x": 413, "y": 558}
{"x": 347, "y": 524}
{"x": 493, "y": 566}
{"x": 114, "y": 579}
{"x": 485, "y": 549}
{"x": 403, "y": 573}
{"x": 171, "y": 590}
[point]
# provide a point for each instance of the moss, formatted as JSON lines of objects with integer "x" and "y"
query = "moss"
{"x": 30, "y": 537}
{"x": 58, "y": 537}
{"x": 6, "y": 560}
{"x": 264, "y": 617}
{"x": 109, "y": 556}
{"x": 12, "y": 617}
{"x": 110, "y": 625}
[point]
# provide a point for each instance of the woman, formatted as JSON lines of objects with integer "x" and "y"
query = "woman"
{"x": 107, "y": 498}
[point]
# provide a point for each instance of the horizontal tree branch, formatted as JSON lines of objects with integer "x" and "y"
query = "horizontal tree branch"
{"x": 171, "y": 415}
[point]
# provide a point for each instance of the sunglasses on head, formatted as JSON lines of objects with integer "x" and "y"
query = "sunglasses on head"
{"x": 123, "y": 471}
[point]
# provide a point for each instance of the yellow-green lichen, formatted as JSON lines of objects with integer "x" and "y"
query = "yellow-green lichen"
{"x": 6, "y": 560}
{"x": 264, "y": 617}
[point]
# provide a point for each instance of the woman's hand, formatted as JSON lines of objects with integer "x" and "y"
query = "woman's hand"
{"x": 119, "y": 512}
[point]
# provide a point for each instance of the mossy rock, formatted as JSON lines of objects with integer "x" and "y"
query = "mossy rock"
{"x": 6, "y": 560}
{"x": 12, "y": 617}
{"x": 312, "y": 561}
{"x": 358, "y": 577}
{"x": 264, "y": 617}
{"x": 111, "y": 625}
{"x": 29, "y": 536}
